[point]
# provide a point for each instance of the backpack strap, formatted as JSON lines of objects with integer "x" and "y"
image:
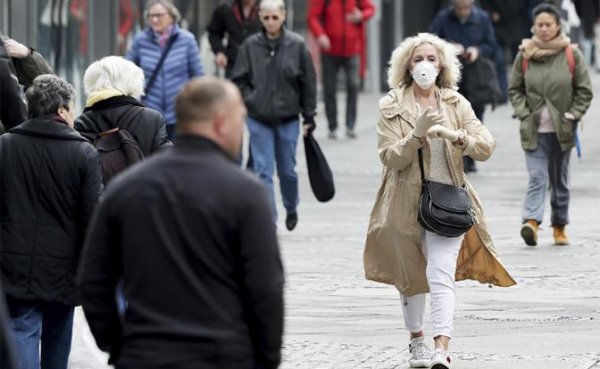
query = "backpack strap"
{"x": 570, "y": 61}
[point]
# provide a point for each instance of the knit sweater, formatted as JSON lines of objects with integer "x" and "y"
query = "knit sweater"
{"x": 181, "y": 64}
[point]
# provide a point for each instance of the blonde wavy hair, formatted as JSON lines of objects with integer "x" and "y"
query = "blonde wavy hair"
{"x": 399, "y": 70}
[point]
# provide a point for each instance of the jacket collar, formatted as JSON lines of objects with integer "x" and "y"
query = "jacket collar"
{"x": 174, "y": 32}
{"x": 195, "y": 142}
{"x": 114, "y": 102}
{"x": 46, "y": 128}
{"x": 403, "y": 102}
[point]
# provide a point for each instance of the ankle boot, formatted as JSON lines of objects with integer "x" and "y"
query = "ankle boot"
{"x": 529, "y": 232}
{"x": 560, "y": 237}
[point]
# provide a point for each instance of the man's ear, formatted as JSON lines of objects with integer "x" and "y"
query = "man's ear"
{"x": 220, "y": 124}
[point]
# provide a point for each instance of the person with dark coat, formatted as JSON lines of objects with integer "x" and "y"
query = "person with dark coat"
{"x": 277, "y": 78}
{"x": 189, "y": 234}
{"x": 470, "y": 29}
{"x": 232, "y": 21}
{"x": 114, "y": 86}
{"x": 27, "y": 62}
{"x": 50, "y": 183}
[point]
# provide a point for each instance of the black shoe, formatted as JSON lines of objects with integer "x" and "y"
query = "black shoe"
{"x": 291, "y": 220}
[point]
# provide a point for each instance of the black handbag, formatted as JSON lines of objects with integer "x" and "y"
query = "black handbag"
{"x": 444, "y": 209}
{"x": 319, "y": 173}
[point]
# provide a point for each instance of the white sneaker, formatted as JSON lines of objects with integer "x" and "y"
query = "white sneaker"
{"x": 440, "y": 359}
{"x": 420, "y": 353}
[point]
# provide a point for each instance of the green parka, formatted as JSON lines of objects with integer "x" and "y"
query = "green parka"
{"x": 548, "y": 81}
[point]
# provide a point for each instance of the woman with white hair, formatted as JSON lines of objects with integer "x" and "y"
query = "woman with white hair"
{"x": 423, "y": 113}
{"x": 113, "y": 86}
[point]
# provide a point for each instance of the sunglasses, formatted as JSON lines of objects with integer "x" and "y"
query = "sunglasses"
{"x": 267, "y": 17}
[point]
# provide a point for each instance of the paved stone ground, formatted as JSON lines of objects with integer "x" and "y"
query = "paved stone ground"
{"x": 337, "y": 319}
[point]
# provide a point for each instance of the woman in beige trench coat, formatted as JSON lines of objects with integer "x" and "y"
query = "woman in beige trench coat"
{"x": 423, "y": 110}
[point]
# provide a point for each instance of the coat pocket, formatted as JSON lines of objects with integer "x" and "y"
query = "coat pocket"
{"x": 527, "y": 130}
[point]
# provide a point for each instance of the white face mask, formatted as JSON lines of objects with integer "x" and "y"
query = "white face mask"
{"x": 425, "y": 74}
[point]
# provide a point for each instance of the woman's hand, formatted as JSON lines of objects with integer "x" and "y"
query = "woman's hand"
{"x": 425, "y": 121}
{"x": 445, "y": 133}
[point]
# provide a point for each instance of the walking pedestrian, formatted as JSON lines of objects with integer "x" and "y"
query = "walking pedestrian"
{"x": 470, "y": 29}
{"x": 338, "y": 26}
{"x": 114, "y": 86}
{"x": 231, "y": 23}
{"x": 550, "y": 90}
{"x": 275, "y": 73}
{"x": 50, "y": 184}
{"x": 178, "y": 50}
{"x": 422, "y": 111}
{"x": 208, "y": 289}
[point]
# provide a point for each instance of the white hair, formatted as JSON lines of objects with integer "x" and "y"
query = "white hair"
{"x": 114, "y": 72}
{"x": 399, "y": 71}
{"x": 272, "y": 5}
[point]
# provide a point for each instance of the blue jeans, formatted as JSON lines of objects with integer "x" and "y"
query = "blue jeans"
{"x": 48, "y": 322}
{"x": 270, "y": 146}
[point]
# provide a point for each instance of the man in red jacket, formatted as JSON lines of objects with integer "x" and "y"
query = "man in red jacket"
{"x": 338, "y": 26}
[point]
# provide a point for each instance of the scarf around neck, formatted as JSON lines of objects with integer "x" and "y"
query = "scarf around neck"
{"x": 534, "y": 48}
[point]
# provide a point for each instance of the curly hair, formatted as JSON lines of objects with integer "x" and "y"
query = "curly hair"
{"x": 47, "y": 94}
{"x": 114, "y": 72}
{"x": 399, "y": 70}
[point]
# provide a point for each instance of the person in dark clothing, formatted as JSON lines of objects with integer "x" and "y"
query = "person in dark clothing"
{"x": 12, "y": 108}
{"x": 114, "y": 86}
{"x": 27, "y": 62}
{"x": 208, "y": 291}
{"x": 50, "y": 184}
{"x": 234, "y": 22}
{"x": 470, "y": 29}
{"x": 276, "y": 75}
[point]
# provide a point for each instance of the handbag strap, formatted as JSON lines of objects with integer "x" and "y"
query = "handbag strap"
{"x": 160, "y": 63}
{"x": 421, "y": 166}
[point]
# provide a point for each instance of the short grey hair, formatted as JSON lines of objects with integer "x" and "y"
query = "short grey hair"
{"x": 114, "y": 72}
{"x": 171, "y": 9}
{"x": 47, "y": 94}
{"x": 272, "y": 5}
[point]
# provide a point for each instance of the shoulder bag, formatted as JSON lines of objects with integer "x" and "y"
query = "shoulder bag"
{"x": 444, "y": 209}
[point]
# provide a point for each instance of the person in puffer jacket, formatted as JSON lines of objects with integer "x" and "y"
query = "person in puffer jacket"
{"x": 181, "y": 64}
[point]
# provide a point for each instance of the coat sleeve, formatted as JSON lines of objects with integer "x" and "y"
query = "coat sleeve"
{"x": 97, "y": 279}
{"x": 436, "y": 26}
{"x": 396, "y": 149}
{"x": 241, "y": 74}
{"x": 314, "y": 18}
{"x": 133, "y": 53}
{"x": 216, "y": 31}
{"x": 487, "y": 46}
{"x": 582, "y": 87}
{"x": 160, "y": 140}
{"x": 29, "y": 67}
{"x": 479, "y": 143}
{"x": 516, "y": 89}
{"x": 367, "y": 8}
{"x": 12, "y": 108}
{"x": 193, "y": 57}
{"x": 308, "y": 86}
{"x": 262, "y": 279}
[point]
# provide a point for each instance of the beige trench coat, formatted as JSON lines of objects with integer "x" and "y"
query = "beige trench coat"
{"x": 392, "y": 252}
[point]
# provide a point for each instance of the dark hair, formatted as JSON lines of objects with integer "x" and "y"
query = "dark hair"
{"x": 47, "y": 94}
{"x": 546, "y": 8}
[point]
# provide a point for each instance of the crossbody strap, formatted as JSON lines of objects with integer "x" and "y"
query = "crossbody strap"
{"x": 421, "y": 166}
{"x": 160, "y": 63}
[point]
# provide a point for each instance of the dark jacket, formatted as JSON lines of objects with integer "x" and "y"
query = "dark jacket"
{"x": 514, "y": 19}
{"x": 191, "y": 236}
{"x": 477, "y": 31}
{"x": 12, "y": 108}
{"x": 277, "y": 78}
{"x": 228, "y": 20}
{"x": 148, "y": 128}
{"x": 329, "y": 17}
{"x": 49, "y": 183}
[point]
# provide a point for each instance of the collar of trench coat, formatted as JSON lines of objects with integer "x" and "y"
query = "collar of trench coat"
{"x": 392, "y": 252}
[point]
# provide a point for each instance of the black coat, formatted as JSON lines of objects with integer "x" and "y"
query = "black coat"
{"x": 49, "y": 184}
{"x": 228, "y": 20}
{"x": 277, "y": 79}
{"x": 147, "y": 128}
{"x": 191, "y": 236}
{"x": 12, "y": 107}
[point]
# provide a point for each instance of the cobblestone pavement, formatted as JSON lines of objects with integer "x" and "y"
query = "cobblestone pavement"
{"x": 337, "y": 319}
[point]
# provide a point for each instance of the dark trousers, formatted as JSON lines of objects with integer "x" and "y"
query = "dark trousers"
{"x": 48, "y": 323}
{"x": 330, "y": 67}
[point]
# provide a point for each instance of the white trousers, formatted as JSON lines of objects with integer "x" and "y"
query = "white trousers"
{"x": 441, "y": 253}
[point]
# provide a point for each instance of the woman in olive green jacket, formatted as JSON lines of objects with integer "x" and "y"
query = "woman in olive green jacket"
{"x": 550, "y": 90}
